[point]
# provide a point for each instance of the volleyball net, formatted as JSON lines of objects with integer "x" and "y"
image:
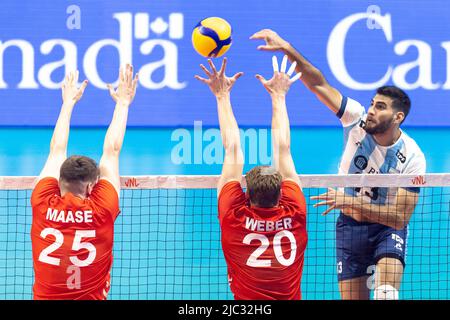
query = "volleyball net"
{"x": 167, "y": 238}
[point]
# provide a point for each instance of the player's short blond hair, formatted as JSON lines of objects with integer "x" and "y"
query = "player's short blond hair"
{"x": 263, "y": 186}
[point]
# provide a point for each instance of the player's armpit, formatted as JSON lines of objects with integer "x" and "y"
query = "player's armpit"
{"x": 52, "y": 166}
{"x": 232, "y": 168}
{"x": 109, "y": 170}
{"x": 286, "y": 167}
{"x": 230, "y": 197}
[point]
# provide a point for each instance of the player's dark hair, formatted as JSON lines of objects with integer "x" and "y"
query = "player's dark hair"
{"x": 263, "y": 186}
{"x": 400, "y": 100}
{"x": 77, "y": 170}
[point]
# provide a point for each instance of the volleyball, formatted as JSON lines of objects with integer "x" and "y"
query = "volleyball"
{"x": 211, "y": 37}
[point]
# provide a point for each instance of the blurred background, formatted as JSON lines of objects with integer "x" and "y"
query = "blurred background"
{"x": 407, "y": 46}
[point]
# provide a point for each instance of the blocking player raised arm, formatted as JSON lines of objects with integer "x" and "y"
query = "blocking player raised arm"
{"x": 71, "y": 94}
{"x": 220, "y": 86}
{"x": 278, "y": 87}
{"x": 312, "y": 77}
{"x": 123, "y": 96}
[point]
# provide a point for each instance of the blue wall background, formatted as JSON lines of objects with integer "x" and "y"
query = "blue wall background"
{"x": 306, "y": 24}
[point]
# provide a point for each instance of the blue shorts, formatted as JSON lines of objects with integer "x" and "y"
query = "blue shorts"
{"x": 361, "y": 245}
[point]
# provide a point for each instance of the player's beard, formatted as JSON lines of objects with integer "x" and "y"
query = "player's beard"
{"x": 379, "y": 128}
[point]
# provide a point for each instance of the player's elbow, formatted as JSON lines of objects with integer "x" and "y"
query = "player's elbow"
{"x": 401, "y": 221}
{"x": 56, "y": 147}
{"x": 111, "y": 148}
{"x": 399, "y": 225}
{"x": 285, "y": 146}
{"x": 317, "y": 82}
{"x": 232, "y": 144}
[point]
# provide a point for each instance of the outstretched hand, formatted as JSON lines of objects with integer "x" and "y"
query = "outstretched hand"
{"x": 273, "y": 41}
{"x": 70, "y": 92}
{"x": 217, "y": 81}
{"x": 337, "y": 200}
{"x": 280, "y": 83}
{"x": 126, "y": 88}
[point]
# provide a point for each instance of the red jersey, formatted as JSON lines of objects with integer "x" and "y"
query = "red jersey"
{"x": 72, "y": 241}
{"x": 263, "y": 247}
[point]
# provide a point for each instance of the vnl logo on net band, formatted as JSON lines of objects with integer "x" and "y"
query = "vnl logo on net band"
{"x": 152, "y": 31}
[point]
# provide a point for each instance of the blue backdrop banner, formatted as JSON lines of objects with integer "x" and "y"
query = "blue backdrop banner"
{"x": 358, "y": 46}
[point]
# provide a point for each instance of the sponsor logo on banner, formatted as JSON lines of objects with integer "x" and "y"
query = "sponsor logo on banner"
{"x": 399, "y": 74}
{"x": 149, "y": 34}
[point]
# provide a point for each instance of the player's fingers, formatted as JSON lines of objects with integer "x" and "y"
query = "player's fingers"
{"x": 213, "y": 67}
{"x": 121, "y": 76}
{"x": 70, "y": 77}
{"x": 275, "y": 64}
{"x": 323, "y": 196}
{"x": 130, "y": 75}
{"x": 296, "y": 77}
{"x": 201, "y": 79}
{"x": 261, "y": 78}
{"x": 111, "y": 89}
{"x": 77, "y": 74}
{"x": 135, "y": 81}
{"x": 292, "y": 68}
{"x": 224, "y": 65}
{"x": 258, "y": 35}
{"x": 266, "y": 48}
{"x": 283, "y": 64}
{"x": 83, "y": 86}
{"x": 205, "y": 70}
{"x": 323, "y": 203}
{"x": 127, "y": 74}
{"x": 328, "y": 210}
{"x": 237, "y": 75}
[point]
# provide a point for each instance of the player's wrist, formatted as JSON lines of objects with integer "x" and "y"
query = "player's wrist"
{"x": 69, "y": 103}
{"x": 222, "y": 95}
{"x": 278, "y": 96}
{"x": 286, "y": 47}
{"x": 123, "y": 102}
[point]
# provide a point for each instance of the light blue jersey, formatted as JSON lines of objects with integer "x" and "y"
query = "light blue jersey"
{"x": 362, "y": 154}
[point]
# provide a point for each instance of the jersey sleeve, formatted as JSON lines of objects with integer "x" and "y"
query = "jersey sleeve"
{"x": 231, "y": 197}
{"x": 292, "y": 197}
{"x": 350, "y": 112}
{"x": 106, "y": 198}
{"x": 45, "y": 188}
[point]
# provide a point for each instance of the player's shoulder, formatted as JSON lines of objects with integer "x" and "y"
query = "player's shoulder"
{"x": 410, "y": 143}
{"x": 45, "y": 182}
{"x": 411, "y": 147}
{"x": 292, "y": 185}
{"x": 350, "y": 112}
{"x": 411, "y": 155}
{"x": 43, "y": 188}
{"x": 230, "y": 189}
{"x": 105, "y": 186}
